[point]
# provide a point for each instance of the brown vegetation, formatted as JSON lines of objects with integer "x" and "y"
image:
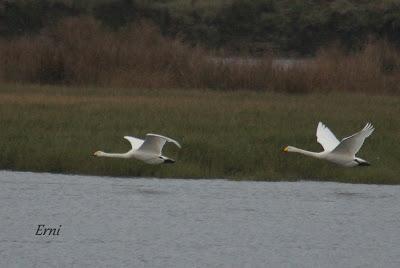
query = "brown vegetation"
{"x": 80, "y": 51}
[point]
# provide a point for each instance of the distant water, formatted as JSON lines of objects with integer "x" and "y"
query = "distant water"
{"x": 278, "y": 63}
{"x": 116, "y": 222}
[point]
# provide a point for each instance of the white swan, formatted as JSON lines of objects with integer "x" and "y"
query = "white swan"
{"x": 342, "y": 153}
{"x": 148, "y": 150}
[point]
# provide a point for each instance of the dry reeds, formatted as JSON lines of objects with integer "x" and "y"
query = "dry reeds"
{"x": 80, "y": 51}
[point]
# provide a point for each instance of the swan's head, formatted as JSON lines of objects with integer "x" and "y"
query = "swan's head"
{"x": 98, "y": 153}
{"x": 289, "y": 149}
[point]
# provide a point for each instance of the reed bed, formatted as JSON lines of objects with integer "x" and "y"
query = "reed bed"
{"x": 236, "y": 135}
{"x": 81, "y": 52}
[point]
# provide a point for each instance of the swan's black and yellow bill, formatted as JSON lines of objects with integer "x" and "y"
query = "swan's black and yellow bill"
{"x": 169, "y": 161}
{"x": 286, "y": 149}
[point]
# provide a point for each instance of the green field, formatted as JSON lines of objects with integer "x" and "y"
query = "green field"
{"x": 236, "y": 135}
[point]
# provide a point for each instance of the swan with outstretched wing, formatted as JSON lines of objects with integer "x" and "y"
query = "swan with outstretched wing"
{"x": 148, "y": 150}
{"x": 343, "y": 152}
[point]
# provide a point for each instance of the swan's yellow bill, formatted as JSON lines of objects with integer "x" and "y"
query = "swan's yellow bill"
{"x": 286, "y": 149}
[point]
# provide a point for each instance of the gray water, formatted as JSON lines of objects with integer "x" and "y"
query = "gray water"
{"x": 277, "y": 63}
{"x": 116, "y": 222}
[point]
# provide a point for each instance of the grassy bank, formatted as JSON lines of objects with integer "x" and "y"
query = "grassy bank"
{"x": 237, "y": 135}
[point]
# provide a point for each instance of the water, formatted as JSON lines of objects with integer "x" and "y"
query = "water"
{"x": 277, "y": 63}
{"x": 116, "y": 222}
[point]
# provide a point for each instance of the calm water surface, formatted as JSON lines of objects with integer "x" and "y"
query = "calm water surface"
{"x": 115, "y": 222}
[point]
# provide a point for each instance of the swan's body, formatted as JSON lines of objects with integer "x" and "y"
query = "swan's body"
{"x": 342, "y": 153}
{"x": 148, "y": 150}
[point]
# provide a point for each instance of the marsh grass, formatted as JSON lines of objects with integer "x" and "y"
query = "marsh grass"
{"x": 237, "y": 135}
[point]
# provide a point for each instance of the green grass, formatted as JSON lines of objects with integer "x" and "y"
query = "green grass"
{"x": 236, "y": 135}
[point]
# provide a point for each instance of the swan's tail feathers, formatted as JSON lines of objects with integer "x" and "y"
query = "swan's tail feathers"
{"x": 169, "y": 161}
{"x": 361, "y": 162}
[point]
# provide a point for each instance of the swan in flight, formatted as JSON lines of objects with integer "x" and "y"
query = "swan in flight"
{"x": 148, "y": 150}
{"x": 342, "y": 153}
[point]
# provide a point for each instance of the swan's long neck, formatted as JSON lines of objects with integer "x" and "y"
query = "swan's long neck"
{"x": 115, "y": 155}
{"x": 305, "y": 152}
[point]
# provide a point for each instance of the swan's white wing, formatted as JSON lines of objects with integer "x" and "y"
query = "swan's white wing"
{"x": 351, "y": 145}
{"x": 135, "y": 142}
{"x": 326, "y": 138}
{"x": 154, "y": 143}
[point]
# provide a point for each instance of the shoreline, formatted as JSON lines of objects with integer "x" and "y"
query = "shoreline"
{"x": 314, "y": 180}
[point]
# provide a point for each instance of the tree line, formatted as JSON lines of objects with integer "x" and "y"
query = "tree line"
{"x": 254, "y": 26}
